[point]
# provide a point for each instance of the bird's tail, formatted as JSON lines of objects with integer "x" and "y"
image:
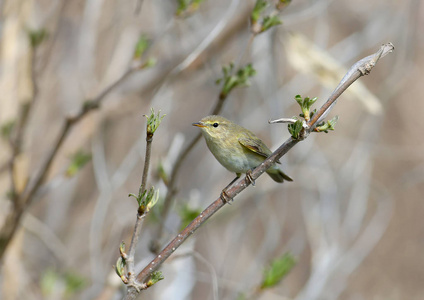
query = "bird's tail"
{"x": 278, "y": 175}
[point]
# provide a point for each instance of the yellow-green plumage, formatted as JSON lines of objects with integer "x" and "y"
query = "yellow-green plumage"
{"x": 236, "y": 148}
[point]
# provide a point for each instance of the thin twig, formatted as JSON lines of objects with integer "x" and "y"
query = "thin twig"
{"x": 25, "y": 198}
{"x": 149, "y": 139}
{"x": 131, "y": 251}
{"x": 360, "y": 68}
{"x": 140, "y": 215}
{"x": 16, "y": 139}
{"x": 12, "y": 219}
{"x": 68, "y": 124}
{"x": 232, "y": 191}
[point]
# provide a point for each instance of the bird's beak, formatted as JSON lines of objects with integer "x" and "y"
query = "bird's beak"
{"x": 199, "y": 124}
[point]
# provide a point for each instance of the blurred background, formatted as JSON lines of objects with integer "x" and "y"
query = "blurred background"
{"x": 352, "y": 218}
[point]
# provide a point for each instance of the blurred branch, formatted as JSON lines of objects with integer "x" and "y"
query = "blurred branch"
{"x": 87, "y": 107}
{"x": 361, "y": 68}
{"x": 35, "y": 37}
{"x": 139, "y": 4}
{"x": 22, "y": 200}
{"x": 43, "y": 232}
{"x": 15, "y": 140}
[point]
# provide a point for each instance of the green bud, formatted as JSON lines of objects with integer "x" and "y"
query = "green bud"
{"x": 260, "y": 6}
{"x": 187, "y": 7}
{"x": 295, "y": 129}
{"x": 326, "y": 126}
{"x": 282, "y": 4}
{"x": 154, "y": 278}
{"x": 7, "y": 128}
{"x": 241, "y": 78}
{"x": 36, "y": 37}
{"x": 89, "y": 104}
{"x": 270, "y": 21}
{"x": 153, "y": 122}
{"x": 151, "y": 62}
{"x": 74, "y": 283}
{"x": 122, "y": 248}
{"x": 152, "y": 200}
{"x": 120, "y": 267}
{"x": 146, "y": 200}
{"x": 305, "y": 105}
{"x": 142, "y": 44}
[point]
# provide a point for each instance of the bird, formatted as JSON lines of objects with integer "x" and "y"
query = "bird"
{"x": 236, "y": 148}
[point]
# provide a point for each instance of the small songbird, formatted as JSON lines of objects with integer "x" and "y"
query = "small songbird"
{"x": 236, "y": 148}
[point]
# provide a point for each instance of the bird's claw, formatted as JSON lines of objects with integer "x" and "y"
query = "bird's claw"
{"x": 224, "y": 197}
{"x": 249, "y": 178}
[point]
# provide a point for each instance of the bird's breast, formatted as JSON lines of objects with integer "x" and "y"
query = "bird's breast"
{"x": 232, "y": 155}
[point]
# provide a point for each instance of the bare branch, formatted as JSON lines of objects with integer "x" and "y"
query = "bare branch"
{"x": 353, "y": 74}
{"x": 360, "y": 68}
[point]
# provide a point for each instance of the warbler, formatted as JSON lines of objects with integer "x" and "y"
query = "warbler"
{"x": 236, "y": 148}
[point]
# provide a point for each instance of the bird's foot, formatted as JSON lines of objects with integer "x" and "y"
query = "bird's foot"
{"x": 224, "y": 196}
{"x": 249, "y": 178}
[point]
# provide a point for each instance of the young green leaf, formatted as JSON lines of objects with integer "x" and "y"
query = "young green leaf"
{"x": 260, "y": 6}
{"x": 36, "y": 37}
{"x": 122, "y": 248}
{"x": 74, "y": 283}
{"x": 153, "y": 122}
{"x": 142, "y": 44}
{"x": 187, "y": 7}
{"x": 152, "y": 199}
{"x": 295, "y": 129}
{"x": 146, "y": 200}
{"x": 277, "y": 270}
{"x": 305, "y": 105}
{"x": 329, "y": 125}
{"x": 78, "y": 161}
{"x": 270, "y": 21}
{"x": 187, "y": 214}
{"x": 282, "y": 4}
{"x": 241, "y": 78}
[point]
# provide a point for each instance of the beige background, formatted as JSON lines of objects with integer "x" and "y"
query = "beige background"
{"x": 353, "y": 215}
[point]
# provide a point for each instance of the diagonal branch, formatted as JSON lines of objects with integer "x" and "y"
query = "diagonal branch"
{"x": 360, "y": 68}
{"x": 363, "y": 67}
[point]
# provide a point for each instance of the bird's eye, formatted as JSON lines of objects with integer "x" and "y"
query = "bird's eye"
{"x": 215, "y": 125}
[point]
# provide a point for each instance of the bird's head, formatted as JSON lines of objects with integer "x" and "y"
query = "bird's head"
{"x": 215, "y": 126}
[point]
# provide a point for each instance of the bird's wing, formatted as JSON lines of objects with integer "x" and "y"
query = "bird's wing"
{"x": 255, "y": 145}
